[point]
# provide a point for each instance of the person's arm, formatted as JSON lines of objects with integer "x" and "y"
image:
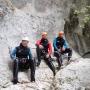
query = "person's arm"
{"x": 13, "y": 54}
{"x": 49, "y": 49}
{"x": 65, "y": 44}
{"x": 54, "y": 44}
{"x": 30, "y": 54}
{"x": 38, "y": 42}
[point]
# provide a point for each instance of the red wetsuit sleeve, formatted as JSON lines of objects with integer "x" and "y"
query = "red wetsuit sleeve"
{"x": 50, "y": 49}
{"x": 38, "y": 42}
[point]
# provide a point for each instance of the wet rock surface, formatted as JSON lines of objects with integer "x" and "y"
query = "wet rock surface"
{"x": 74, "y": 77}
{"x": 44, "y": 78}
{"x": 77, "y": 27}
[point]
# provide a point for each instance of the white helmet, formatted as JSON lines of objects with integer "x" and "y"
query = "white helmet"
{"x": 25, "y": 38}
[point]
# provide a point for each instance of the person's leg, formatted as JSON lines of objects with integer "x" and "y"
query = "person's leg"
{"x": 15, "y": 71}
{"x": 38, "y": 55}
{"x": 26, "y": 65}
{"x": 21, "y": 65}
{"x": 50, "y": 64}
{"x": 59, "y": 58}
{"x": 32, "y": 67}
{"x": 69, "y": 51}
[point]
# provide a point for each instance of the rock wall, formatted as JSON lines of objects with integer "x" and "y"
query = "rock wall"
{"x": 74, "y": 77}
{"x": 77, "y": 26}
{"x": 28, "y": 20}
{"x": 20, "y": 18}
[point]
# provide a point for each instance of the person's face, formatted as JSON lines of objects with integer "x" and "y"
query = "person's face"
{"x": 44, "y": 36}
{"x": 25, "y": 43}
{"x": 61, "y": 35}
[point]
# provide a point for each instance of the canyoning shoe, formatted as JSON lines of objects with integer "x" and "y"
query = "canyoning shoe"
{"x": 38, "y": 64}
{"x": 32, "y": 81}
{"x": 15, "y": 81}
{"x": 58, "y": 68}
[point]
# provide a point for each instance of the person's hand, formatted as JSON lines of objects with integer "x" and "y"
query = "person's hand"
{"x": 40, "y": 46}
{"x": 63, "y": 49}
{"x": 59, "y": 50}
{"x": 16, "y": 59}
{"x": 47, "y": 56}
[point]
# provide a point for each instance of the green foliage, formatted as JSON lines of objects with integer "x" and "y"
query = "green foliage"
{"x": 86, "y": 19}
{"x": 77, "y": 12}
{"x": 85, "y": 14}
